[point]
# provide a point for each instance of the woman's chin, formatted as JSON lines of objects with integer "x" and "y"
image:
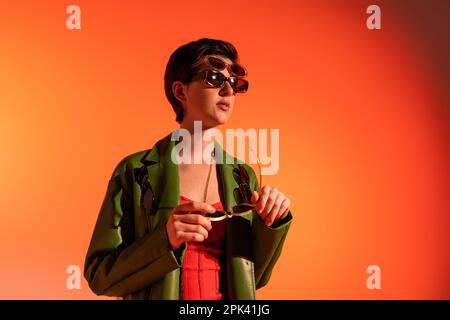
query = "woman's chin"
{"x": 222, "y": 120}
{"x": 223, "y": 116}
{"x": 215, "y": 120}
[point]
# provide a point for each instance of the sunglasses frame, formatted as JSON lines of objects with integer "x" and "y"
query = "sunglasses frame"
{"x": 206, "y": 61}
{"x": 241, "y": 176}
{"x": 203, "y": 75}
{"x": 233, "y": 213}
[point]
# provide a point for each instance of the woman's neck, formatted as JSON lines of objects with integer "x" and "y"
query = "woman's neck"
{"x": 201, "y": 142}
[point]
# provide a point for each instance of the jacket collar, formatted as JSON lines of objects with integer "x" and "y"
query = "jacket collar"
{"x": 164, "y": 178}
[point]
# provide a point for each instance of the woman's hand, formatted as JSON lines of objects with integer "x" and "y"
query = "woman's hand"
{"x": 187, "y": 222}
{"x": 271, "y": 204}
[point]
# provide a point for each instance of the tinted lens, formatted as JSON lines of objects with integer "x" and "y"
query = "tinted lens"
{"x": 217, "y": 214}
{"x": 215, "y": 78}
{"x": 219, "y": 64}
{"x": 241, "y": 86}
{"x": 242, "y": 208}
{"x": 238, "y": 70}
{"x": 216, "y": 63}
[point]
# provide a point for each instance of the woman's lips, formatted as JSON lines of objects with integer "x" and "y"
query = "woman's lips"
{"x": 223, "y": 105}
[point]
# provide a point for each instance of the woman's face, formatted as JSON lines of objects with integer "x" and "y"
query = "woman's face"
{"x": 213, "y": 106}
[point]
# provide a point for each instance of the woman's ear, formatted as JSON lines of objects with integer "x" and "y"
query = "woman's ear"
{"x": 178, "y": 91}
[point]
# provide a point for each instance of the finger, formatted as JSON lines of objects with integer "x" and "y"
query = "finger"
{"x": 194, "y": 206}
{"x": 194, "y": 228}
{"x": 284, "y": 209}
{"x": 255, "y": 197}
{"x": 189, "y": 236}
{"x": 196, "y": 219}
{"x": 264, "y": 195}
{"x": 275, "y": 211}
{"x": 270, "y": 202}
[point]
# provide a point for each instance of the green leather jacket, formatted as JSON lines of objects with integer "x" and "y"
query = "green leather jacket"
{"x": 129, "y": 255}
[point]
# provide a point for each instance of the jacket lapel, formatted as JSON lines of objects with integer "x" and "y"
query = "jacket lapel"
{"x": 163, "y": 177}
{"x": 238, "y": 234}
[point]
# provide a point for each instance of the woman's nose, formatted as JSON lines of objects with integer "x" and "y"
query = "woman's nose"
{"x": 227, "y": 89}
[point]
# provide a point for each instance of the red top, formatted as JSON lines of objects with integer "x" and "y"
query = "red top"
{"x": 203, "y": 264}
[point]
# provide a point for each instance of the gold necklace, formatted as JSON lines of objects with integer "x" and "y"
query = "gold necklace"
{"x": 209, "y": 176}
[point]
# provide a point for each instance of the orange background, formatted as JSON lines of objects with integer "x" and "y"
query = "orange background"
{"x": 363, "y": 118}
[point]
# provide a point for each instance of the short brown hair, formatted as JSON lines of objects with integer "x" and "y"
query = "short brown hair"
{"x": 179, "y": 65}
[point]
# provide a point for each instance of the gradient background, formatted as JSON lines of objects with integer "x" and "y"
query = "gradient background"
{"x": 363, "y": 118}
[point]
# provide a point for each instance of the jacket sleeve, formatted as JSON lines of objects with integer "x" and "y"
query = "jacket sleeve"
{"x": 267, "y": 242}
{"x": 116, "y": 263}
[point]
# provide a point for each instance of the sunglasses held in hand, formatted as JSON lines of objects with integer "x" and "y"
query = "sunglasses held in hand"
{"x": 238, "y": 210}
{"x": 243, "y": 191}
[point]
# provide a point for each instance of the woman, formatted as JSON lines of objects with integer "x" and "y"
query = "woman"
{"x": 154, "y": 237}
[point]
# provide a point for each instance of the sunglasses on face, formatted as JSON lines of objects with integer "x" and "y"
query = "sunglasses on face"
{"x": 219, "y": 64}
{"x": 216, "y": 79}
